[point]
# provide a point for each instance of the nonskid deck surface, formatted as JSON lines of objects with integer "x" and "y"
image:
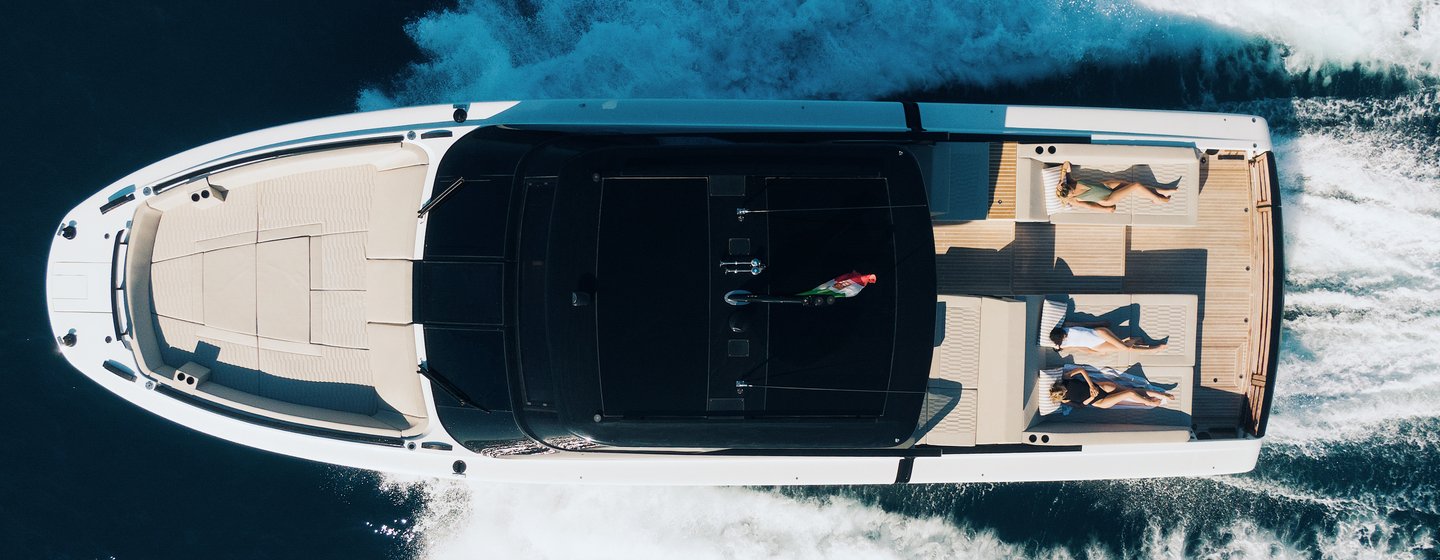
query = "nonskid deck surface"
{"x": 289, "y": 281}
{"x": 1211, "y": 260}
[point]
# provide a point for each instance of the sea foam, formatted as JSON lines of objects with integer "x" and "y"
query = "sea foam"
{"x": 862, "y": 50}
{"x": 1377, "y": 35}
{"x": 814, "y": 49}
{"x": 1361, "y": 198}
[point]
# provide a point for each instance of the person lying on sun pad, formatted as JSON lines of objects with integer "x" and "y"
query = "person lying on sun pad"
{"x": 1078, "y": 389}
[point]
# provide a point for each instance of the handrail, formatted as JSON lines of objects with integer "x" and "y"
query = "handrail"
{"x": 117, "y": 288}
{"x": 434, "y": 201}
{"x": 167, "y": 184}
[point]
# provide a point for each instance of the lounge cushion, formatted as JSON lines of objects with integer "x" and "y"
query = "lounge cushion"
{"x": 1052, "y": 314}
{"x": 1163, "y": 166}
{"x": 271, "y": 290}
{"x": 1049, "y": 178}
{"x": 282, "y": 296}
{"x": 1046, "y": 380}
{"x": 229, "y": 288}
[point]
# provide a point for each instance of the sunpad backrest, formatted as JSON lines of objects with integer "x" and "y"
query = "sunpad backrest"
{"x": 1046, "y": 380}
{"x": 1049, "y": 179}
{"x": 1052, "y": 315}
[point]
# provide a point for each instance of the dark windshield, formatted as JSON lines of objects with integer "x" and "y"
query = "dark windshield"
{"x": 581, "y": 293}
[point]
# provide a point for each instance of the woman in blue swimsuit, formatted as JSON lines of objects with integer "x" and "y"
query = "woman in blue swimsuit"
{"x": 1102, "y": 195}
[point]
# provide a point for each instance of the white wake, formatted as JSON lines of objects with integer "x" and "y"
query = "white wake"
{"x": 861, "y": 50}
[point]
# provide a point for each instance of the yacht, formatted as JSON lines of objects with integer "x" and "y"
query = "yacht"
{"x": 697, "y": 292}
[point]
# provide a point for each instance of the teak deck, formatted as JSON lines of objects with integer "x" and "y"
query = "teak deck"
{"x": 1215, "y": 260}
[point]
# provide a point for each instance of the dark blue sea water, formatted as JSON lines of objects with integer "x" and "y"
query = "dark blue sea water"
{"x": 92, "y": 91}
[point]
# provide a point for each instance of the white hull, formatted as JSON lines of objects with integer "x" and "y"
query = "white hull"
{"x": 80, "y": 292}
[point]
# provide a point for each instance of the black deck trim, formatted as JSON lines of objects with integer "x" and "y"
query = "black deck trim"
{"x": 273, "y": 423}
{"x": 114, "y": 367}
{"x": 436, "y": 134}
{"x": 903, "y": 471}
{"x": 118, "y": 202}
{"x": 162, "y": 187}
{"x": 1277, "y": 299}
{"x": 912, "y": 116}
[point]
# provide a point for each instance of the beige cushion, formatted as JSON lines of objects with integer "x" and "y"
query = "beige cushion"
{"x": 191, "y": 228}
{"x": 140, "y": 248}
{"x": 1153, "y": 165}
{"x": 1048, "y": 378}
{"x": 337, "y": 318}
{"x": 283, "y": 301}
{"x": 337, "y": 261}
{"x": 395, "y": 201}
{"x": 231, "y": 357}
{"x": 230, "y": 289}
{"x": 1052, "y": 315}
{"x": 957, "y": 358}
{"x": 317, "y": 202}
{"x": 387, "y": 291}
{"x": 949, "y": 415}
{"x": 283, "y": 256}
{"x": 1001, "y": 398}
{"x": 179, "y": 287}
{"x": 1172, "y": 318}
{"x": 1049, "y": 179}
{"x": 394, "y": 364}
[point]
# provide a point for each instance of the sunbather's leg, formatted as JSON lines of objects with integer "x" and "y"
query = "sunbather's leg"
{"x": 1123, "y": 189}
{"x": 1125, "y": 396}
{"x": 1157, "y": 394}
{"x": 1112, "y": 387}
{"x": 1112, "y": 342}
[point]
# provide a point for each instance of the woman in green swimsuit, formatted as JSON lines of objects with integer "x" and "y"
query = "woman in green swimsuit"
{"x": 1102, "y": 195}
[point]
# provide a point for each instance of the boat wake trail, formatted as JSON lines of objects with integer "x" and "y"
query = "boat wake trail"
{"x": 722, "y": 523}
{"x": 508, "y": 521}
{"x": 487, "y": 49}
{"x": 1362, "y": 196}
{"x": 1350, "y": 466}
